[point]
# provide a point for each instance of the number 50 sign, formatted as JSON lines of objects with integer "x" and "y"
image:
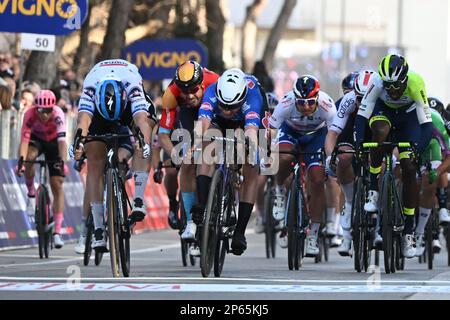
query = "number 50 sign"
{"x": 38, "y": 42}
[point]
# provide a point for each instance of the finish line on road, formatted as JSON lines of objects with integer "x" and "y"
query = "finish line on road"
{"x": 145, "y": 287}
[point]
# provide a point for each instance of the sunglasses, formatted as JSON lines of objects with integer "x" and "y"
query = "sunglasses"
{"x": 44, "y": 110}
{"x": 393, "y": 85}
{"x": 310, "y": 102}
{"x": 191, "y": 90}
{"x": 230, "y": 107}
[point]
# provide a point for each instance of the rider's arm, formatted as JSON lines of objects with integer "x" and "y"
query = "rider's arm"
{"x": 84, "y": 121}
{"x": 366, "y": 108}
{"x": 166, "y": 124}
{"x": 142, "y": 122}
{"x": 419, "y": 95}
{"x": 25, "y": 134}
{"x": 330, "y": 142}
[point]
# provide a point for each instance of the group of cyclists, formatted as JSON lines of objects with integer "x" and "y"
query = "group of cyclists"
{"x": 390, "y": 104}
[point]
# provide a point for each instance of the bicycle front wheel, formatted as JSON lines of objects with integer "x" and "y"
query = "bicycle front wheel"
{"x": 88, "y": 243}
{"x": 210, "y": 230}
{"x": 123, "y": 227}
{"x": 111, "y": 208}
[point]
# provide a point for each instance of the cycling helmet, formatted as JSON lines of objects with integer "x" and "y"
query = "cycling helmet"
{"x": 362, "y": 80}
{"x": 45, "y": 99}
{"x": 393, "y": 68}
{"x": 189, "y": 74}
{"x": 347, "y": 83}
{"x": 110, "y": 98}
{"x": 436, "y": 104}
{"x": 231, "y": 89}
{"x": 272, "y": 100}
{"x": 306, "y": 86}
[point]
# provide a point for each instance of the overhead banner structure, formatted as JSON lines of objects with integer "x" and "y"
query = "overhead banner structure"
{"x": 158, "y": 59}
{"x": 56, "y": 17}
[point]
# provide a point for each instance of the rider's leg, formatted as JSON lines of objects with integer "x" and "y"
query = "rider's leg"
{"x": 380, "y": 127}
{"x": 247, "y": 199}
{"x": 32, "y": 154}
{"x": 332, "y": 193}
{"x": 96, "y": 157}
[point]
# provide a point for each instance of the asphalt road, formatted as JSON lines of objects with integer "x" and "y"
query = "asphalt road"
{"x": 157, "y": 273}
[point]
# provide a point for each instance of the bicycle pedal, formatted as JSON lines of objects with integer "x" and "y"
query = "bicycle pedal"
{"x": 49, "y": 226}
{"x": 101, "y": 250}
{"x": 227, "y": 232}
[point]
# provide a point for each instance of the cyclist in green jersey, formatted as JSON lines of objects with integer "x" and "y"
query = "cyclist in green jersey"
{"x": 390, "y": 103}
{"x": 431, "y": 160}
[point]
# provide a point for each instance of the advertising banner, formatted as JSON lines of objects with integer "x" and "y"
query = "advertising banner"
{"x": 57, "y": 17}
{"x": 17, "y": 227}
{"x": 158, "y": 59}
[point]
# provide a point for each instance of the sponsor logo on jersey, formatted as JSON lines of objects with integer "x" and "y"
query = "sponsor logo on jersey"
{"x": 109, "y": 63}
{"x": 135, "y": 92}
{"x": 344, "y": 106}
{"x": 206, "y": 106}
{"x": 424, "y": 98}
{"x": 245, "y": 107}
{"x": 59, "y": 121}
{"x": 252, "y": 115}
{"x": 370, "y": 90}
{"x": 89, "y": 92}
{"x": 250, "y": 83}
{"x": 265, "y": 120}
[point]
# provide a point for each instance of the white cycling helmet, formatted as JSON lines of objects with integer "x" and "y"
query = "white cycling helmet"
{"x": 231, "y": 89}
{"x": 362, "y": 80}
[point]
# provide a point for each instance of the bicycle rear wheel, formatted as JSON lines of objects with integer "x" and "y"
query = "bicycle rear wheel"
{"x": 269, "y": 222}
{"x": 210, "y": 230}
{"x": 447, "y": 241}
{"x": 88, "y": 243}
{"x": 111, "y": 208}
{"x": 429, "y": 240}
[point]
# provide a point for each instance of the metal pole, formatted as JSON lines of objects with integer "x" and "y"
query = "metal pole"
{"x": 342, "y": 39}
{"x": 400, "y": 26}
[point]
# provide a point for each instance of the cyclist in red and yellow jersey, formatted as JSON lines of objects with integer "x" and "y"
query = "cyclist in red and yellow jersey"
{"x": 181, "y": 102}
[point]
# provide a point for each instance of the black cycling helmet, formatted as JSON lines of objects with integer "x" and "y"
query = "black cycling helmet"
{"x": 393, "y": 68}
{"x": 348, "y": 82}
{"x": 306, "y": 87}
{"x": 436, "y": 104}
{"x": 189, "y": 74}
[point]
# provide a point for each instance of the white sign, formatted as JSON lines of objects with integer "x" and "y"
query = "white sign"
{"x": 38, "y": 42}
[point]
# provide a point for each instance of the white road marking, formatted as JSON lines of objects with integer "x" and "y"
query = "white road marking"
{"x": 237, "y": 288}
{"x": 160, "y": 248}
{"x": 199, "y": 278}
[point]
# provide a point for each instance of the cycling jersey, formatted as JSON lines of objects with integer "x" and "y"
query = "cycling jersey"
{"x": 347, "y": 108}
{"x": 54, "y": 128}
{"x": 415, "y": 94}
{"x": 251, "y": 110}
{"x": 440, "y": 138}
{"x": 409, "y": 126}
{"x": 131, "y": 80}
{"x": 286, "y": 111}
{"x": 172, "y": 99}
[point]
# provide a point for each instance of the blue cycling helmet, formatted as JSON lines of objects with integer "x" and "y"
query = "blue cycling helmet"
{"x": 110, "y": 98}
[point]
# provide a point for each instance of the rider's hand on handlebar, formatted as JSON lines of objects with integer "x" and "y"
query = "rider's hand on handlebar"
{"x": 20, "y": 168}
{"x": 76, "y": 154}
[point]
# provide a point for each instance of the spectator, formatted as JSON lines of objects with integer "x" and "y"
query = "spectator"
{"x": 26, "y": 99}
{"x": 70, "y": 83}
{"x": 32, "y": 86}
{"x": 63, "y": 99}
{"x": 260, "y": 72}
{"x": 5, "y": 98}
{"x": 5, "y": 66}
